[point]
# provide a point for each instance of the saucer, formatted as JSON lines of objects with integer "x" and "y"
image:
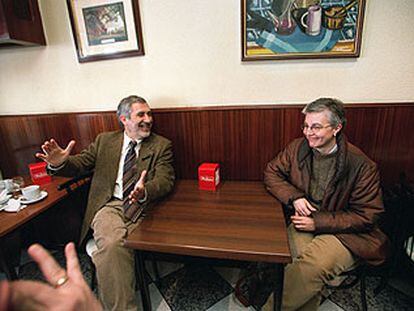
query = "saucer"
{"x": 5, "y": 199}
{"x": 14, "y": 206}
{"x": 43, "y": 194}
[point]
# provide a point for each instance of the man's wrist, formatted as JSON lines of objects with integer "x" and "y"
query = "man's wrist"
{"x": 55, "y": 168}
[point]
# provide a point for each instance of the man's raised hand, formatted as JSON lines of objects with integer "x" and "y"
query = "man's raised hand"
{"x": 53, "y": 154}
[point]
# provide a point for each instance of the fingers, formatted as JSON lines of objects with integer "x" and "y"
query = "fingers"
{"x": 303, "y": 223}
{"x": 53, "y": 154}
{"x": 141, "y": 181}
{"x": 72, "y": 263}
{"x": 49, "y": 146}
{"x": 299, "y": 206}
{"x": 41, "y": 156}
{"x": 139, "y": 190}
{"x": 69, "y": 147}
{"x": 298, "y": 222}
{"x": 47, "y": 264}
{"x": 303, "y": 207}
{"x": 309, "y": 206}
{"x": 296, "y": 219}
{"x": 303, "y": 211}
{"x": 53, "y": 144}
{"x": 137, "y": 194}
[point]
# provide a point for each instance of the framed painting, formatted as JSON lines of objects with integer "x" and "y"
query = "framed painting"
{"x": 297, "y": 29}
{"x": 106, "y": 29}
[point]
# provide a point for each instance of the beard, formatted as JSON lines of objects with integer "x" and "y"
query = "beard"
{"x": 143, "y": 129}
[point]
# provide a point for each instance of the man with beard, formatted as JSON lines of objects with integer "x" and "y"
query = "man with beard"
{"x": 132, "y": 169}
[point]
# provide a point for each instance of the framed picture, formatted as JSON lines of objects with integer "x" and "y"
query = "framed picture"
{"x": 295, "y": 29}
{"x": 106, "y": 29}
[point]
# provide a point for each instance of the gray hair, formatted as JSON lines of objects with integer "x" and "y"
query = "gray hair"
{"x": 333, "y": 105}
{"x": 124, "y": 107}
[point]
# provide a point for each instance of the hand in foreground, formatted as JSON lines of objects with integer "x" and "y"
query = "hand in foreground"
{"x": 303, "y": 207}
{"x": 68, "y": 289}
{"x": 53, "y": 154}
{"x": 139, "y": 190}
{"x": 303, "y": 223}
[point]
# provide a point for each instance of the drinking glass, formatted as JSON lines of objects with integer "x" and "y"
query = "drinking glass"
{"x": 18, "y": 184}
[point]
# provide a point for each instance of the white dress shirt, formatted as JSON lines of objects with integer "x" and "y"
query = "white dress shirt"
{"x": 118, "y": 190}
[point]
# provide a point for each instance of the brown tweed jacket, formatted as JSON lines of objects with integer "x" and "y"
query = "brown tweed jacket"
{"x": 103, "y": 155}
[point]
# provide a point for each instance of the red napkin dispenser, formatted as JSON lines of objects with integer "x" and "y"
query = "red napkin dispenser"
{"x": 39, "y": 174}
{"x": 208, "y": 176}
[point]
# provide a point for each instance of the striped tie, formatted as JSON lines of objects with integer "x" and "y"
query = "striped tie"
{"x": 129, "y": 174}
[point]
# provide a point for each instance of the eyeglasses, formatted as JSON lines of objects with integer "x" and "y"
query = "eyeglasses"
{"x": 315, "y": 128}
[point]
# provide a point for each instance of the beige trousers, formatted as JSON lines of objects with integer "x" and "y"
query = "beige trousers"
{"x": 114, "y": 263}
{"x": 317, "y": 259}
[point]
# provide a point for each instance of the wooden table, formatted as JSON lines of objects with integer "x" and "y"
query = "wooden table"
{"x": 239, "y": 221}
{"x": 12, "y": 221}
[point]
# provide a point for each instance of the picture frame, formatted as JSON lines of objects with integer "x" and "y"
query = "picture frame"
{"x": 301, "y": 29}
{"x": 106, "y": 29}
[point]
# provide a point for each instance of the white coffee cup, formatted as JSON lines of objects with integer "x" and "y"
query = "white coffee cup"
{"x": 7, "y": 184}
{"x": 31, "y": 192}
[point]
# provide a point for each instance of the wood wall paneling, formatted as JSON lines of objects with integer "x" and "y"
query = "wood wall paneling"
{"x": 242, "y": 139}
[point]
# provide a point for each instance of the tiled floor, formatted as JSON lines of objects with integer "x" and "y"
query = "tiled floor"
{"x": 200, "y": 286}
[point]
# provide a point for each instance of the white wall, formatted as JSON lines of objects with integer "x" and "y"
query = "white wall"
{"x": 193, "y": 59}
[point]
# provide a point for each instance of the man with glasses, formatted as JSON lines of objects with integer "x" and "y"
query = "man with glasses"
{"x": 332, "y": 190}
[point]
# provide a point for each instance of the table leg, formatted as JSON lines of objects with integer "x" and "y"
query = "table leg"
{"x": 143, "y": 285}
{"x": 8, "y": 270}
{"x": 278, "y": 292}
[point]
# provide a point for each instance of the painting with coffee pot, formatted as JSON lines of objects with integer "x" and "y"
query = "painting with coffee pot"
{"x": 294, "y": 29}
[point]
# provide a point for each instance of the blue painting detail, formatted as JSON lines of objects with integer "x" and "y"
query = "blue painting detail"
{"x": 298, "y": 41}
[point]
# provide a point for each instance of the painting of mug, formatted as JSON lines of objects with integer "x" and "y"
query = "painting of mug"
{"x": 298, "y": 29}
{"x": 312, "y": 20}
